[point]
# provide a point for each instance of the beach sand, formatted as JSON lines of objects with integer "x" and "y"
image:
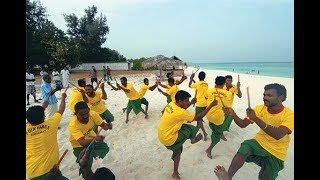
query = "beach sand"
{"x": 135, "y": 151}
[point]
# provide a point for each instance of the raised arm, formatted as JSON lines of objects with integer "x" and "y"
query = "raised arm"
{"x": 191, "y": 80}
{"x": 181, "y": 80}
{"x": 97, "y": 86}
{"x": 104, "y": 94}
{"x": 239, "y": 90}
{"x": 62, "y": 105}
{"x": 84, "y": 97}
{"x": 114, "y": 88}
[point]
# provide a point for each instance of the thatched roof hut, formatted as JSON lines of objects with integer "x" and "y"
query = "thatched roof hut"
{"x": 162, "y": 62}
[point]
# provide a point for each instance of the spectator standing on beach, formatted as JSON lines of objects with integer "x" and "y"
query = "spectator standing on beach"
{"x": 56, "y": 78}
{"x": 201, "y": 88}
{"x": 43, "y": 72}
{"x": 109, "y": 77}
{"x": 173, "y": 132}
{"x": 49, "y": 97}
{"x": 65, "y": 76}
{"x": 95, "y": 102}
{"x": 42, "y": 151}
{"x": 104, "y": 73}
{"x": 30, "y": 87}
{"x": 93, "y": 75}
{"x": 269, "y": 147}
{"x": 234, "y": 90}
{"x": 134, "y": 97}
{"x": 81, "y": 133}
{"x": 78, "y": 94}
{"x": 216, "y": 116}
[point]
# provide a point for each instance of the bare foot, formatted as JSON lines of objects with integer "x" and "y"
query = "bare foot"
{"x": 175, "y": 176}
{"x": 221, "y": 173}
{"x": 146, "y": 116}
{"x": 223, "y": 138}
{"x": 209, "y": 154}
{"x": 127, "y": 120}
{"x": 205, "y": 137}
{"x": 197, "y": 138}
{"x": 124, "y": 110}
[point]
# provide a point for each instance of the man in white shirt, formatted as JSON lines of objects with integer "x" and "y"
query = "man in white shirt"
{"x": 30, "y": 88}
{"x": 65, "y": 76}
{"x": 56, "y": 77}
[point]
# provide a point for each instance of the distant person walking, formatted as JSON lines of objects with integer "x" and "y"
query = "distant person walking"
{"x": 109, "y": 77}
{"x": 93, "y": 75}
{"x": 56, "y": 78}
{"x": 65, "y": 76}
{"x": 104, "y": 73}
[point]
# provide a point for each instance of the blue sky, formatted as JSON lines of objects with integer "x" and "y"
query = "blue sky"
{"x": 195, "y": 31}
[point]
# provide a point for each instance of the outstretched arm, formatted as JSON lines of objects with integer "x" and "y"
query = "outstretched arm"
{"x": 160, "y": 90}
{"x": 191, "y": 80}
{"x": 203, "y": 113}
{"x": 181, "y": 80}
{"x": 62, "y": 105}
{"x": 124, "y": 89}
{"x": 114, "y": 88}
{"x": 153, "y": 87}
{"x": 97, "y": 86}
{"x": 240, "y": 122}
{"x": 104, "y": 94}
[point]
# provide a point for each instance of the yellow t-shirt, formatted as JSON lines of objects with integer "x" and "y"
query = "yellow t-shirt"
{"x": 133, "y": 94}
{"x": 234, "y": 90}
{"x": 78, "y": 130}
{"x": 42, "y": 151}
{"x": 172, "y": 92}
{"x": 143, "y": 90}
{"x": 171, "y": 122}
{"x": 216, "y": 114}
{"x": 168, "y": 85}
{"x": 96, "y": 103}
{"x": 75, "y": 97}
{"x": 285, "y": 118}
{"x": 201, "y": 88}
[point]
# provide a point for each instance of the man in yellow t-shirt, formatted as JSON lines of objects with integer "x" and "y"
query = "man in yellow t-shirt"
{"x": 142, "y": 92}
{"x": 78, "y": 94}
{"x": 268, "y": 149}
{"x": 171, "y": 92}
{"x": 168, "y": 86}
{"x": 81, "y": 133}
{"x": 234, "y": 90}
{"x": 216, "y": 117}
{"x": 96, "y": 103}
{"x": 201, "y": 88}
{"x": 173, "y": 132}
{"x": 134, "y": 97}
{"x": 42, "y": 151}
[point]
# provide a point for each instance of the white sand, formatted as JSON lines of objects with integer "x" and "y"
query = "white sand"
{"x": 136, "y": 153}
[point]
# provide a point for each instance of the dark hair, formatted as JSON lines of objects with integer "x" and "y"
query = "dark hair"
{"x": 145, "y": 79}
{"x": 123, "y": 78}
{"x": 220, "y": 80}
{"x": 103, "y": 173}
{"x": 228, "y": 77}
{"x": 35, "y": 114}
{"x": 202, "y": 75}
{"x": 80, "y": 105}
{"x": 182, "y": 95}
{"x": 171, "y": 80}
{"x": 281, "y": 90}
{"x": 90, "y": 85}
{"x": 81, "y": 82}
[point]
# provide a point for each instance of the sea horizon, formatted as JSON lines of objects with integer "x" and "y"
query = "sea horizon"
{"x": 274, "y": 69}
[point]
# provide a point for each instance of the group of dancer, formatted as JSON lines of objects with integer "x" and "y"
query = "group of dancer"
{"x": 267, "y": 149}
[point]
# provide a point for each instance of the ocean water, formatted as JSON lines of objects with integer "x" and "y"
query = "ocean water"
{"x": 275, "y": 69}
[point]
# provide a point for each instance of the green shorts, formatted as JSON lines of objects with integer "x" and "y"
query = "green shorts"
{"x": 270, "y": 165}
{"x": 43, "y": 177}
{"x": 217, "y": 130}
{"x": 199, "y": 110}
{"x": 134, "y": 105}
{"x": 186, "y": 131}
{"x": 169, "y": 99}
{"x": 144, "y": 101}
{"x": 100, "y": 149}
{"x": 107, "y": 116}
